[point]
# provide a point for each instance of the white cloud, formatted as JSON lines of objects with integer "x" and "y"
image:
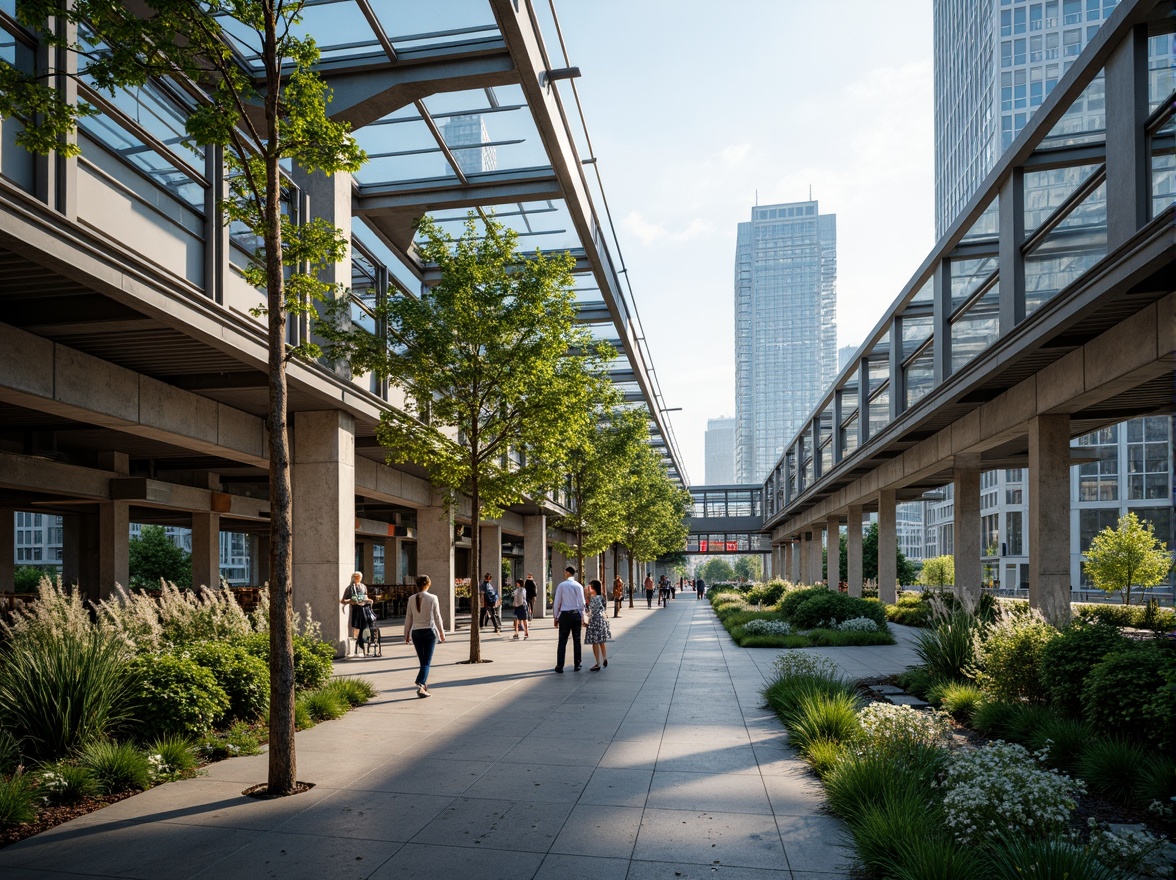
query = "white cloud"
{"x": 649, "y": 232}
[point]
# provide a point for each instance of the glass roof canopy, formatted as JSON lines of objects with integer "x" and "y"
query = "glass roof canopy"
{"x": 452, "y": 104}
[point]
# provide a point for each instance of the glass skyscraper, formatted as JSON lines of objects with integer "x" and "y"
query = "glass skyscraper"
{"x": 720, "y": 451}
{"x": 785, "y": 328}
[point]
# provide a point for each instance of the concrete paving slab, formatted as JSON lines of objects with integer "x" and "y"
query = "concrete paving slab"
{"x": 749, "y": 840}
{"x": 420, "y": 862}
{"x": 622, "y": 787}
{"x": 368, "y": 815}
{"x": 558, "y": 866}
{"x": 510, "y": 825}
{"x": 606, "y": 831}
{"x": 281, "y": 856}
{"x": 683, "y": 871}
{"x": 815, "y": 843}
{"x": 728, "y": 793}
{"x": 631, "y": 754}
{"x": 704, "y": 757}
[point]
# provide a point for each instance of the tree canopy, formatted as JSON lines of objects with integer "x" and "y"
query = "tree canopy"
{"x": 906, "y": 569}
{"x": 938, "y": 571}
{"x": 154, "y": 557}
{"x": 1127, "y": 556}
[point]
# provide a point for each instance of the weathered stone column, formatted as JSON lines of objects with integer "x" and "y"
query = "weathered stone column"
{"x": 795, "y": 554}
{"x": 816, "y": 569}
{"x": 1049, "y": 517}
{"x": 323, "y": 477}
{"x": 205, "y": 549}
{"x": 7, "y": 550}
{"x": 833, "y": 550}
{"x": 966, "y": 528}
{"x": 435, "y": 556}
{"x": 490, "y": 555}
{"x": 853, "y": 549}
{"x": 887, "y": 546}
{"x": 114, "y": 535}
{"x": 535, "y": 558}
{"x": 806, "y": 540}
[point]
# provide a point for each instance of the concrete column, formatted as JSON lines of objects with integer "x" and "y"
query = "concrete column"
{"x": 261, "y": 560}
{"x": 114, "y": 535}
{"x": 535, "y": 558}
{"x": 833, "y": 549}
{"x": 323, "y": 476}
{"x": 206, "y": 549}
{"x": 7, "y": 550}
{"x": 966, "y": 483}
{"x": 1128, "y": 180}
{"x": 806, "y": 571}
{"x": 435, "y": 557}
{"x": 853, "y": 549}
{"x": 71, "y": 549}
{"x": 490, "y": 555}
{"x": 368, "y": 560}
{"x": 795, "y": 554}
{"x": 816, "y": 574}
{"x": 329, "y": 198}
{"x": 559, "y": 561}
{"x": 1049, "y": 517}
{"x": 392, "y": 571}
{"x": 887, "y": 546}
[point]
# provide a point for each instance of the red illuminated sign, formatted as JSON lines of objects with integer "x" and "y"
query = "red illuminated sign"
{"x": 702, "y": 546}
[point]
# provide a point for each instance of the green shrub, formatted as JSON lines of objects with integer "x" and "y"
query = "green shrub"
{"x": 879, "y": 829}
{"x": 173, "y": 756}
{"x": 60, "y": 691}
{"x": 242, "y": 676}
{"x": 934, "y": 857}
{"x": 992, "y": 718}
{"x": 1157, "y": 780}
{"x": 824, "y": 717}
{"x": 796, "y": 598}
{"x": 957, "y": 699}
{"x": 947, "y": 648}
{"x": 302, "y": 716}
{"x": 824, "y": 754}
{"x": 1062, "y": 738}
{"x": 356, "y": 691}
{"x": 17, "y": 801}
{"x": 909, "y": 610}
{"x": 1010, "y": 658}
{"x": 767, "y": 594}
{"x": 323, "y": 705}
{"x": 799, "y": 676}
{"x": 64, "y": 783}
{"x": 177, "y": 696}
{"x": 1132, "y": 692}
{"x": 1137, "y": 616}
{"x": 1048, "y": 859}
{"x": 870, "y": 779}
{"x": 313, "y": 658}
{"x": 1113, "y": 768}
{"x": 239, "y": 740}
{"x": 1068, "y": 659}
{"x": 1024, "y": 720}
{"x": 825, "y": 608}
{"x": 835, "y": 638}
{"x": 117, "y": 767}
{"x": 917, "y": 680}
{"x": 768, "y": 640}
{"x": 9, "y": 752}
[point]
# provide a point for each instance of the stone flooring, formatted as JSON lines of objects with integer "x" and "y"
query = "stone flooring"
{"x": 663, "y": 765}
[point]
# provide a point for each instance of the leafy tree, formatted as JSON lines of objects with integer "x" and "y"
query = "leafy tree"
{"x": 938, "y": 571}
{"x": 653, "y": 507}
{"x": 155, "y": 557}
{"x": 1126, "y": 556}
{"x": 906, "y": 569}
{"x": 26, "y": 578}
{"x": 717, "y": 571}
{"x": 494, "y": 365}
{"x": 260, "y": 118}
{"x": 750, "y": 568}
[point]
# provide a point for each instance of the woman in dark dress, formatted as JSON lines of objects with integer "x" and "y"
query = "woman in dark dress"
{"x": 598, "y": 632}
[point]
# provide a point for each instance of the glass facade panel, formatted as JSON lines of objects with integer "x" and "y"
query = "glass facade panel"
{"x": 849, "y": 436}
{"x": 16, "y": 163}
{"x": 926, "y": 293}
{"x": 967, "y": 276}
{"x": 1091, "y": 521}
{"x": 976, "y": 329}
{"x": 1067, "y": 251}
{"x": 1161, "y": 75}
{"x": 1045, "y": 191}
{"x": 920, "y": 376}
{"x": 915, "y": 331}
{"x": 1085, "y": 121}
{"x": 987, "y": 225}
{"x": 1147, "y": 459}
{"x": 880, "y": 410}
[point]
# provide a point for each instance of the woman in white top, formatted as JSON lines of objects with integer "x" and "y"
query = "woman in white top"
{"x": 354, "y": 598}
{"x": 424, "y": 628}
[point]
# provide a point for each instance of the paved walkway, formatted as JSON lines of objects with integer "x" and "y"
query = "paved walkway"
{"x": 663, "y": 765}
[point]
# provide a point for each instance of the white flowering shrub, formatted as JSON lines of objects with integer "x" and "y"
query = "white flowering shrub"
{"x": 858, "y": 624}
{"x": 884, "y": 724}
{"x": 760, "y": 626}
{"x": 1002, "y": 788}
{"x": 792, "y": 664}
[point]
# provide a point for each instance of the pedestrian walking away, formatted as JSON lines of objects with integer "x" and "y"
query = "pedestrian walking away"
{"x": 567, "y": 607}
{"x": 519, "y": 600}
{"x": 598, "y": 633}
{"x": 618, "y": 595}
{"x": 355, "y": 601}
{"x": 491, "y": 602}
{"x": 532, "y": 592}
{"x": 700, "y": 587}
{"x": 424, "y": 628}
{"x": 648, "y": 590}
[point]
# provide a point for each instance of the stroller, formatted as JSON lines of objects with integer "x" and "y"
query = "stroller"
{"x": 368, "y": 640}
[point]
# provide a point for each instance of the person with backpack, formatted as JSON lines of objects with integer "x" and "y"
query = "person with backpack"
{"x": 424, "y": 628}
{"x": 490, "y": 605}
{"x": 519, "y": 600}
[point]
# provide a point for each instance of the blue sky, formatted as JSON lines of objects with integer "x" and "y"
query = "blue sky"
{"x": 693, "y": 107}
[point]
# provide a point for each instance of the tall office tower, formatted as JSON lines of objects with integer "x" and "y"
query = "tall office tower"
{"x": 845, "y": 355}
{"x": 720, "y": 451}
{"x": 995, "y": 63}
{"x": 785, "y": 328}
{"x": 467, "y": 138}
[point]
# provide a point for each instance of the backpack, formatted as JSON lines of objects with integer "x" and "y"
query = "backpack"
{"x": 491, "y": 598}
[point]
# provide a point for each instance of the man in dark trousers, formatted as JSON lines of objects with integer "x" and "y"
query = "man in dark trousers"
{"x": 700, "y": 587}
{"x": 490, "y": 604}
{"x": 532, "y": 592}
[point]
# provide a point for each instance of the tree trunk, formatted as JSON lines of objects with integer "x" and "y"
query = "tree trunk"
{"x": 632, "y": 585}
{"x": 475, "y": 550}
{"x": 282, "y": 764}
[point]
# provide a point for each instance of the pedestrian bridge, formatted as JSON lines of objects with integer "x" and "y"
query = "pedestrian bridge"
{"x": 727, "y": 520}
{"x": 1045, "y": 312}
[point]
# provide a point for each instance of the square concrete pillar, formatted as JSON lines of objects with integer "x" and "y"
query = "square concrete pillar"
{"x": 1049, "y": 517}
{"x": 853, "y": 549}
{"x": 887, "y": 546}
{"x": 114, "y": 536}
{"x": 435, "y": 557}
{"x": 259, "y": 567}
{"x": 329, "y": 198}
{"x": 833, "y": 550}
{"x": 205, "y": 549}
{"x": 7, "y": 550}
{"x": 559, "y": 561}
{"x": 806, "y": 540}
{"x": 535, "y": 558}
{"x": 966, "y": 526}
{"x": 795, "y": 552}
{"x": 490, "y": 556}
{"x": 816, "y": 569}
{"x": 392, "y": 568}
{"x": 71, "y": 549}
{"x": 323, "y": 476}
{"x": 368, "y": 560}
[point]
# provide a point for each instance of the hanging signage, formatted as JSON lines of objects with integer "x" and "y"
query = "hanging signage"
{"x": 702, "y": 545}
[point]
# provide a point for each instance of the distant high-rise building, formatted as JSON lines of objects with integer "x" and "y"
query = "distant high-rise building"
{"x": 845, "y": 355}
{"x": 720, "y": 451}
{"x": 785, "y": 328}
{"x": 468, "y": 140}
